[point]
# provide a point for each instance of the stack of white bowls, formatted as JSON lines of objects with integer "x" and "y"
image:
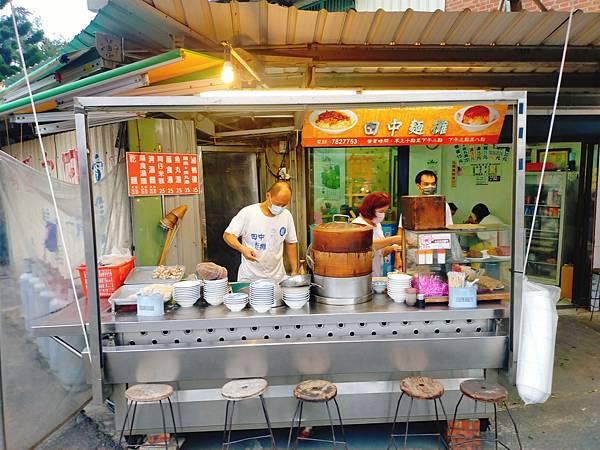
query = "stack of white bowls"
{"x": 235, "y": 301}
{"x": 378, "y": 284}
{"x": 296, "y": 297}
{"x": 262, "y": 295}
{"x": 397, "y": 284}
{"x": 214, "y": 290}
{"x": 186, "y": 293}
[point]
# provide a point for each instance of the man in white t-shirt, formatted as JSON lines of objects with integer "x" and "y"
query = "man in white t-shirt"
{"x": 426, "y": 182}
{"x": 267, "y": 231}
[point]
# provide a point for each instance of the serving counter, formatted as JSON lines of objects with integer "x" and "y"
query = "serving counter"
{"x": 366, "y": 349}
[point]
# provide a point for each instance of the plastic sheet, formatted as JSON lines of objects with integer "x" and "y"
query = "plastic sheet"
{"x": 536, "y": 347}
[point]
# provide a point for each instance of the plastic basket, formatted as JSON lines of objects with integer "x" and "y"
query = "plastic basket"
{"x": 110, "y": 278}
{"x": 462, "y": 297}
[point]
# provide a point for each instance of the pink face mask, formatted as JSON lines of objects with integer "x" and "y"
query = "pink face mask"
{"x": 379, "y": 216}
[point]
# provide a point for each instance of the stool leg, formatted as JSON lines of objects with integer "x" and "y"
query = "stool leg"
{"x": 125, "y": 422}
{"x": 292, "y": 425}
{"x": 299, "y": 425}
{"x": 228, "y": 425}
{"x": 174, "y": 425}
{"x": 264, "y": 407}
{"x": 225, "y": 426}
{"x": 132, "y": 420}
{"x": 445, "y": 418}
{"x": 331, "y": 423}
{"x": 455, "y": 412}
{"x": 515, "y": 425}
{"x": 164, "y": 422}
{"x": 407, "y": 422}
{"x": 496, "y": 426}
{"x": 341, "y": 423}
{"x": 392, "y": 438}
{"x": 437, "y": 421}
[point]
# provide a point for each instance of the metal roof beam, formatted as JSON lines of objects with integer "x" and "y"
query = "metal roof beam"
{"x": 441, "y": 54}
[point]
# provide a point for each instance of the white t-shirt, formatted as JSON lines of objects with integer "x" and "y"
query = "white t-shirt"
{"x": 266, "y": 236}
{"x": 378, "y": 255}
{"x": 494, "y": 238}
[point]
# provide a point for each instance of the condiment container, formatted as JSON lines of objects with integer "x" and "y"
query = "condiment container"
{"x": 421, "y": 301}
{"x": 421, "y": 257}
{"x": 411, "y": 296}
{"x": 150, "y": 304}
{"x": 441, "y": 256}
{"x": 428, "y": 256}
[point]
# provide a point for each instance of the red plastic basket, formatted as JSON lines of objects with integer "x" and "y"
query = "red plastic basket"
{"x": 110, "y": 278}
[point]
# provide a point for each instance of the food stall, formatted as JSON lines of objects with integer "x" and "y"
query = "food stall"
{"x": 363, "y": 342}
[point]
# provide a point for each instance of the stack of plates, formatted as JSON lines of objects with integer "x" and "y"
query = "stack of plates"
{"x": 379, "y": 284}
{"x": 262, "y": 295}
{"x": 186, "y": 293}
{"x": 214, "y": 290}
{"x": 397, "y": 284}
{"x": 235, "y": 301}
{"x": 296, "y": 297}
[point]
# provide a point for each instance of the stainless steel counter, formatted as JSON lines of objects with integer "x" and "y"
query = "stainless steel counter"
{"x": 363, "y": 348}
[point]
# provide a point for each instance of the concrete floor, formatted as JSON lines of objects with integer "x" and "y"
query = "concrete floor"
{"x": 570, "y": 419}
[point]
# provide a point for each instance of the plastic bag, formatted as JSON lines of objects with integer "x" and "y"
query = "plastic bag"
{"x": 210, "y": 271}
{"x": 536, "y": 345}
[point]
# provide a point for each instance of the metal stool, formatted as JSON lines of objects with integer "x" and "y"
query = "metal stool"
{"x": 316, "y": 391}
{"x": 482, "y": 391}
{"x": 236, "y": 391}
{"x": 420, "y": 388}
{"x": 150, "y": 393}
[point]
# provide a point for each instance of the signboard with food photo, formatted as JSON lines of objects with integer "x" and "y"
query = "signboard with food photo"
{"x": 460, "y": 124}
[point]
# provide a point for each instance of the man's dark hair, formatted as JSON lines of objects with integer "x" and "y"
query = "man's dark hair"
{"x": 425, "y": 172}
{"x": 481, "y": 211}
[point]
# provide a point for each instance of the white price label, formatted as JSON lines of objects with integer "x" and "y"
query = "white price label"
{"x": 438, "y": 241}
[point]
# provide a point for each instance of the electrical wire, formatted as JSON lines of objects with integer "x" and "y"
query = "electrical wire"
{"x": 49, "y": 177}
{"x": 539, "y": 192}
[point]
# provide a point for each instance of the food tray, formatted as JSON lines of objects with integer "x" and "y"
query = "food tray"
{"x": 492, "y": 297}
{"x": 143, "y": 275}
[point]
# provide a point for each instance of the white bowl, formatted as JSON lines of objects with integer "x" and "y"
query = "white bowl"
{"x": 236, "y": 307}
{"x": 379, "y": 288}
{"x": 398, "y": 299}
{"x": 315, "y": 114}
{"x": 214, "y": 301}
{"x": 261, "y": 308}
{"x": 187, "y": 304}
{"x": 194, "y": 284}
{"x": 295, "y": 304}
{"x": 494, "y": 116}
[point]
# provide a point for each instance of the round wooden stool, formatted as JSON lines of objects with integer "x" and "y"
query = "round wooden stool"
{"x": 418, "y": 388}
{"x": 149, "y": 393}
{"x": 316, "y": 391}
{"x": 483, "y": 391}
{"x": 236, "y": 391}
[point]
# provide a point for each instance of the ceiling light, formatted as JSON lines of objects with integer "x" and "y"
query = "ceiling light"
{"x": 227, "y": 75}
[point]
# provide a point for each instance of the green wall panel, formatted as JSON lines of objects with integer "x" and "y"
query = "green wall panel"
{"x": 148, "y": 237}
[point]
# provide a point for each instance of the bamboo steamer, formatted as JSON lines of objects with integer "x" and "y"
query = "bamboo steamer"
{"x": 342, "y": 237}
{"x": 342, "y": 249}
{"x": 342, "y": 265}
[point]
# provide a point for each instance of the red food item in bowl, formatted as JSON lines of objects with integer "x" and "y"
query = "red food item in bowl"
{"x": 477, "y": 115}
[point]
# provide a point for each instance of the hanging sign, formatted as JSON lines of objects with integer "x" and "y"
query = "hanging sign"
{"x": 474, "y": 124}
{"x": 162, "y": 174}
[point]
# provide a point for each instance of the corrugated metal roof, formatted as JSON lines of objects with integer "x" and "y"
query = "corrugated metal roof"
{"x": 400, "y": 5}
{"x": 153, "y": 23}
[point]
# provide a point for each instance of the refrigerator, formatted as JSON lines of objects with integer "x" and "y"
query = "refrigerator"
{"x": 552, "y": 245}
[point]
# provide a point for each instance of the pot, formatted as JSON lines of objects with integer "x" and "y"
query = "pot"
{"x": 342, "y": 265}
{"x": 342, "y": 237}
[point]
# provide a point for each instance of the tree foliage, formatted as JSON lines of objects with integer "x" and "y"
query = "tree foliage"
{"x": 36, "y": 45}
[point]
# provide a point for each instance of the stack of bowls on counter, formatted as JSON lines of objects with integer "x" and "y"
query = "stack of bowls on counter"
{"x": 214, "y": 290}
{"x": 379, "y": 284}
{"x": 186, "y": 293}
{"x": 397, "y": 284}
{"x": 262, "y": 295}
{"x": 296, "y": 297}
{"x": 235, "y": 301}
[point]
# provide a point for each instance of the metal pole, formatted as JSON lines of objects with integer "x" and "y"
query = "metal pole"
{"x": 2, "y": 409}
{"x": 89, "y": 237}
{"x": 516, "y": 304}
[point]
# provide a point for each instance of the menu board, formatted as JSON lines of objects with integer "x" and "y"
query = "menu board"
{"x": 162, "y": 174}
{"x": 433, "y": 125}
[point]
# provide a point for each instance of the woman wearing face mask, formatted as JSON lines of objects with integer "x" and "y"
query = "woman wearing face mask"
{"x": 372, "y": 212}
